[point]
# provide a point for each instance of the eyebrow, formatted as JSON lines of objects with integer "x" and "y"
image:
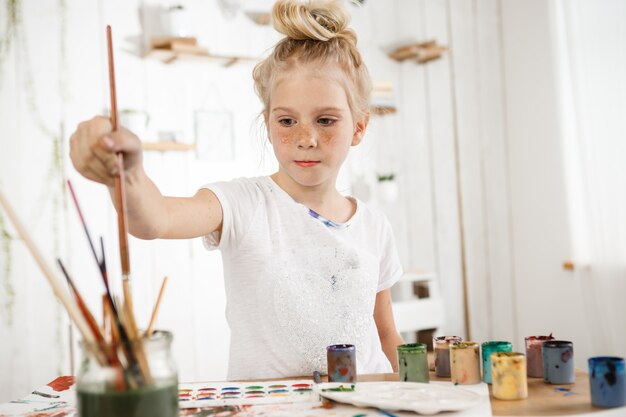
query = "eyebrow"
{"x": 318, "y": 110}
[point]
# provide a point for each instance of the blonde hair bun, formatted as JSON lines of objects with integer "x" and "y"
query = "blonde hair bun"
{"x": 320, "y": 20}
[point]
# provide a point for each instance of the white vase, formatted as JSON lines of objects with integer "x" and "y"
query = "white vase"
{"x": 177, "y": 22}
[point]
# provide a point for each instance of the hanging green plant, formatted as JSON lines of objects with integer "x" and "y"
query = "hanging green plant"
{"x": 53, "y": 189}
{"x": 13, "y": 13}
{"x": 8, "y": 291}
{"x": 386, "y": 177}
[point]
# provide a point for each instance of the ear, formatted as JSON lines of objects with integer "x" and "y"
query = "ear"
{"x": 359, "y": 130}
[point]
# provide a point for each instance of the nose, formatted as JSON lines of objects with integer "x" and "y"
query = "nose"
{"x": 306, "y": 138}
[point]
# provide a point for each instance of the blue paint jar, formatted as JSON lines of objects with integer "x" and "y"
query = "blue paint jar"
{"x": 489, "y": 348}
{"x": 558, "y": 362}
{"x": 607, "y": 381}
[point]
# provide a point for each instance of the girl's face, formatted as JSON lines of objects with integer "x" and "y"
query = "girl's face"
{"x": 310, "y": 125}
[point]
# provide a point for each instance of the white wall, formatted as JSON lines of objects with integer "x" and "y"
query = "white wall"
{"x": 63, "y": 51}
{"x": 545, "y": 295}
{"x": 483, "y": 166}
{"x": 511, "y": 97}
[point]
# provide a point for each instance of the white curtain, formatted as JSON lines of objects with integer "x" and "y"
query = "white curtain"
{"x": 591, "y": 56}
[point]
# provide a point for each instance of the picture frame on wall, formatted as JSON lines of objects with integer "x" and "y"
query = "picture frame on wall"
{"x": 214, "y": 136}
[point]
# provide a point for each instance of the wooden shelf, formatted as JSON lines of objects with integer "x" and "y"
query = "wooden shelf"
{"x": 169, "y": 50}
{"x": 419, "y": 52}
{"x": 168, "y": 146}
{"x": 260, "y": 18}
{"x": 383, "y": 110}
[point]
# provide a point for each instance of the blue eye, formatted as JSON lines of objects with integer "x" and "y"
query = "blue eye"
{"x": 287, "y": 122}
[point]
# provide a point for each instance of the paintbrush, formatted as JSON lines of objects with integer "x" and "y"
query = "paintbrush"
{"x": 120, "y": 194}
{"x": 57, "y": 288}
{"x": 91, "y": 322}
{"x": 117, "y": 324}
{"x": 84, "y": 223}
{"x": 100, "y": 262}
{"x": 150, "y": 328}
{"x": 109, "y": 352}
{"x": 103, "y": 267}
{"x": 129, "y": 315}
{"x": 119, "y": 331}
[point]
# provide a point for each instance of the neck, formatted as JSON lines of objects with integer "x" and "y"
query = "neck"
{"x": 316, "y": 197}
{"x": 323, "y": 198}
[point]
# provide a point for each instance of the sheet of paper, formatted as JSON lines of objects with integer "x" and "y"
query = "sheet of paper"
{"x": 45, "y": 401}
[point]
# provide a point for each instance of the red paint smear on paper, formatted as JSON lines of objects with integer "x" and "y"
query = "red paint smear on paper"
{"x": 62, "y": 383}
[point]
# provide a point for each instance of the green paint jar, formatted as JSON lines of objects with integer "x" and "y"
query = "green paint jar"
{"x": 149, "y": 388}
{"x": 413, "y": 362}
{"x": 489, "y": 348}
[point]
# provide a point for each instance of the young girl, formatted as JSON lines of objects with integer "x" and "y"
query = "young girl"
{"x": 304, "y": 266}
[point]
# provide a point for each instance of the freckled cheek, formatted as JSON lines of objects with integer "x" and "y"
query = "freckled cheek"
{"x": 327, "y": 138}
{"x": 280, "y": 136}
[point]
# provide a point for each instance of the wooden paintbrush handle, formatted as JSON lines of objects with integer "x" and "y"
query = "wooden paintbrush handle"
{"x": 55, "y": 283}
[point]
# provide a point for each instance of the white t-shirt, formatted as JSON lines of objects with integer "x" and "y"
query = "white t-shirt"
{"x": 296, "y": 283}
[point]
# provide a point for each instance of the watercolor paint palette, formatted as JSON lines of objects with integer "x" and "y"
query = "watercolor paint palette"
{"x": 209, "y": 394}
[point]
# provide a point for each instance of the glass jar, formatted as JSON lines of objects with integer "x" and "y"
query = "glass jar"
{"x": 508, "y": 375}
{"x": 341, "y": 363}
{"x": 441, "y": 348}
{"x": 488, "y": 348}
{"x": 134, "y": 379}
{"x": 413, "y": 362}
{"x": 607, "y": 381}
{"x": 465, "y": 363}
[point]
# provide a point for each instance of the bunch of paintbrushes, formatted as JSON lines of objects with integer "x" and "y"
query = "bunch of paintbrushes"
{"x": 118, "y": 343}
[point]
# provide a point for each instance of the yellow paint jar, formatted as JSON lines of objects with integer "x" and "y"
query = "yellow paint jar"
{"x": 508, "y": 375}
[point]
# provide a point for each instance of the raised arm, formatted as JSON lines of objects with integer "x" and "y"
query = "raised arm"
{"x": 93, "y": 149}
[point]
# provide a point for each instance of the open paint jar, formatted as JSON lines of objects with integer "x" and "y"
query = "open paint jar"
{"x": 488, "y": 348}
{"x": 607, "y": 380}
{"x": 341, "y": 363}
{"x": 133, "y": 379}
{"x": 508, "y": 375}
{"x": 413, "y": 362}
{"x": 465, "y": 363}
{"x": 441, "y": 346}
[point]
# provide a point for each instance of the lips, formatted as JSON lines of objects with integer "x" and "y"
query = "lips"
{"x": 306, "y": 164}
